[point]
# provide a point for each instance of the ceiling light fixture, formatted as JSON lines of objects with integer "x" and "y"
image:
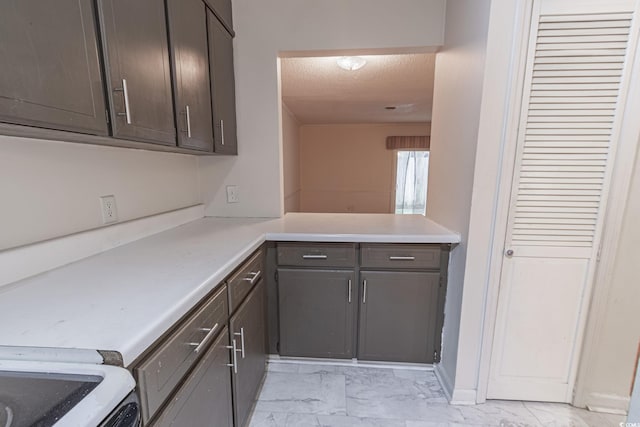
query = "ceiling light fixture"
{"x": 351, "y": 63}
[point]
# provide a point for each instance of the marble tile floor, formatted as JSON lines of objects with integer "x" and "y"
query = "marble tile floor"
{"x": 304, "y": 395}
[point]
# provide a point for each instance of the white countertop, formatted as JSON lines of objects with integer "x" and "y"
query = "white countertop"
{"x": 124, "y": 299}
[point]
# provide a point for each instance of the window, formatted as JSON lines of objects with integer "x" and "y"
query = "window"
{"x": 412, "y": 171}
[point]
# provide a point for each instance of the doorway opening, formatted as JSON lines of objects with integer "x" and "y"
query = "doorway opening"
{"x": 337, "y": 117}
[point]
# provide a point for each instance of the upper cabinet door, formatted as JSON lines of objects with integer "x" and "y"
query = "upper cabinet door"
{"x": 188, "y": 37}
{"x": 139, "y": 76}
{"x": 223, "y": 89}
{"x": 222, "y": 9}
{"x": 50, "y": 68}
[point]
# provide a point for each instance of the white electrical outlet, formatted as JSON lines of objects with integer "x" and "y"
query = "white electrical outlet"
{"x": 109, "y": 210}
{"x": 233, "y": 194}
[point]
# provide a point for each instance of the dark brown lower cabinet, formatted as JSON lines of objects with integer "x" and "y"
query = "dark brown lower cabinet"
{"x": 204, "y": 398}
{"x": 371, "y": 301}
{"x": 317, "y": 312}
{"x": 398, "y": 316}
{"x": 248, "y": 336}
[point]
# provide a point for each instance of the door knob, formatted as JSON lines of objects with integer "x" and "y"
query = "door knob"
{"x": 509, "y": 253}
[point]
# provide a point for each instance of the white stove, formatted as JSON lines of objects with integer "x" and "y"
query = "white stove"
{"x": 61, "y": 394}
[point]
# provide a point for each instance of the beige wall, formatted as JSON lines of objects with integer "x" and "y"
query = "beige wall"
{"x": 455, "y": 121}
{"x": 290, "y": 160}
{"x": 265, "y": 29}
{"x": 50, "y": 189}
{"x": 611, "y": 357}
{"x": 347, "y": 168}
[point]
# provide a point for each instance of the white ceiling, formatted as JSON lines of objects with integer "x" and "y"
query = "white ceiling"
{"x": 317, "y": 91}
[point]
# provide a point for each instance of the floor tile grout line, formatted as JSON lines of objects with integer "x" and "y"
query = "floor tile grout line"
{"x": 533, "y": 413}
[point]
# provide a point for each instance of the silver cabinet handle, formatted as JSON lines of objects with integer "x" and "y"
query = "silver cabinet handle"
{"x": 364, "y": 291}
{"x": 222, "y": 132}
{"x": 125, "y": 90}
{"x": 402, "y": 258}
{"x": 205, "y": 340}
{"x": 241, "y": 335}
{"x": 254, "y": 278}
{"x": 314, "y": 257}
{"x": 234, "y": 356}
{"x": 188, "y": 114}
{"x": 349, "y": 291}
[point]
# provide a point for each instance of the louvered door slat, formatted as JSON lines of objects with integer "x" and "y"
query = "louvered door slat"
{"x": 582, "y": 31}
{"x": 578, "y": 111}
{"x": 574, "y": 59}
{"x": 578, "y": 67}
{"x": 565, "y": 152}
{"x": 546, "y": 38}
{"x": 568, "y": 141}
{"x": 587, "y": 20}
{"x": 593, "y": 74}
{"x": 580, "y": 52}
{"x": 577, "y": 95}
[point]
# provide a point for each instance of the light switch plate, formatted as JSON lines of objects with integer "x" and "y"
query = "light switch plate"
{"x": 233, "y": 195}
{"x": 109, "y": 210}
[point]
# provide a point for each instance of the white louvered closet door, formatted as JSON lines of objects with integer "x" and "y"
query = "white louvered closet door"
{"x": 575, "y": 80}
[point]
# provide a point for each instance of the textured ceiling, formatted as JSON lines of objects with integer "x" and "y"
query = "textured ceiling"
{"x": 317, "y": 91}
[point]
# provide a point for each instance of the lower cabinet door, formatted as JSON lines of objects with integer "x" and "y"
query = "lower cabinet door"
{"x": 205, "y": 397}
{"x": 398, "y": 316}
{"x": 317, "y": 311}
{"x": 248, "y": 330}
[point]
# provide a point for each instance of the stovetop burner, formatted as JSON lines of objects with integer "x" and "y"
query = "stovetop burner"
{"x": 29, "y": 399}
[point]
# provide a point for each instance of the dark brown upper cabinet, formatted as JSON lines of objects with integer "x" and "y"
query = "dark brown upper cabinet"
{"x": 222, "y": 9}
{"x": 136, "y": 54}
{"x": 190, "y": 58}
{"x": 151, "y": 74}
{"x": 223, "y": 90}
{"x": 50, "y": 74}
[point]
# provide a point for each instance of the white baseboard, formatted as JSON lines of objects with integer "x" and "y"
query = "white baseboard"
{"x": 455, "y": 396}
{"x": 274, "y": 358}
{"x": 608, "y": 403}
{"x": 25, "y": 261}
{"x": 445, "y": 381}
{"x": 463, "y": 397}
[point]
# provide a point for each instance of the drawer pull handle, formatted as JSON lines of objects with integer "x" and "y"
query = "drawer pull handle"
{"x": 254, "y": 278}
{"x": 364, "y": 292}
{"x": 314, "y": 257}
{"x": 241, "y": 335}
{"x": 402, "y": 258}
{"x": 234, "y": 356}
{"x": 349, "y": 291}
{"x": 205, "y": 340}
{"x": 187, "y": 113}
{"x": 125, "y": 91}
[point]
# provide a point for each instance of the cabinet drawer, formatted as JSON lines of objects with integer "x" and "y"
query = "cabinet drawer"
{"x": 400, "y": 256}
{"x": 243, "y": 280}
{"x": 206, "y": 394}
{"x": 317, "y": 254}
{"x": 159, "y": 373}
